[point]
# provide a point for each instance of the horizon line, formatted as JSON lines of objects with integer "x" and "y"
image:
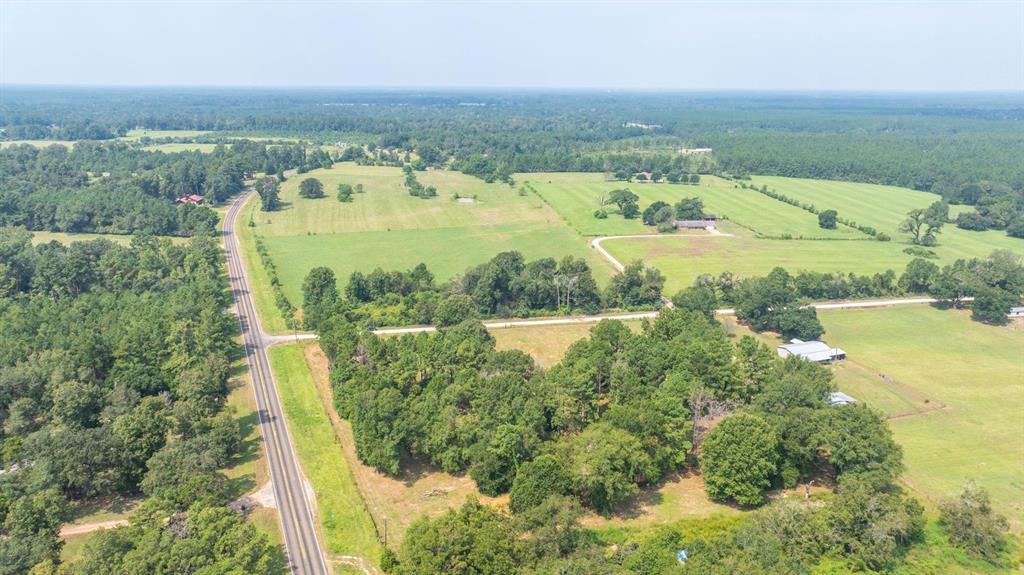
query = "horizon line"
{"x": 549, "y": 89}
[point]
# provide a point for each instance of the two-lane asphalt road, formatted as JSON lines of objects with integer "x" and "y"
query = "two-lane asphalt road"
{"x": 297, "y": 519}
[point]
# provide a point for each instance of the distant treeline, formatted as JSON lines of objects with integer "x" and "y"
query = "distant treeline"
{"x": 933, "y": 143}
{"x": 113, "y": 187}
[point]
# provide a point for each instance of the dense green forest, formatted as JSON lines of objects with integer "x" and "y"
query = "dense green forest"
{"x": 928, "y": 142}
{"x": 113, "y": 376}
{"x": 114, "y": 187}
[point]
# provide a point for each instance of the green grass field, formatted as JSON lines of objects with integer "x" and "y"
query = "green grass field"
{"x": 387, "y": 227}
{"x": 345, "y": 523}
{"x": 177, "y": 147}
{"x": 137, "y": 134}
{"x": 972, "y": 377}
{"x": 884, "y": 207}
{"x": 683, "y": 258}
{"x": 576, "y": 195}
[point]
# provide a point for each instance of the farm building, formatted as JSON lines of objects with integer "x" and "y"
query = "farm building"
{"x": 840, "y": 398}
{"x": 692, "y": 151}
{"x": 815, "y": 351}
{"x": 190, "y": 199}
{"x": 694, "y": 224}
{"x": 1016, "y": 312}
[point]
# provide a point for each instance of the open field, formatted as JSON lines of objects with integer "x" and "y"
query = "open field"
{"x": 546, "y": 343}
{"x": 137, "y": 134}
{"x": 575, "y": 196}
{"x": 345, "y": 525}
{"x": 914, "y": 354}
{"x": 387, "y": 227}
{"x": 683, "y": 258}
{"x": 884, "y": 207}
{"x": 179, "y": 147}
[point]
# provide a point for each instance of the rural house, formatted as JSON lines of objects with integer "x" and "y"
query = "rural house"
{"x": 815, "y": 351}
{"x": 190, "y": 199}
{"x": 1016, "y": 312}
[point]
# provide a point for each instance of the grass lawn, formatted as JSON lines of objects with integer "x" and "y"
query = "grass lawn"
{"x": 575, "y": 196}
{"x": 917, "y": 353}
{"x": 346, "y": 525}
{"x": 386, "y": 227}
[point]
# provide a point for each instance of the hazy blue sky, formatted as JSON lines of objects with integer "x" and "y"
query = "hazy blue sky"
{"x": 671, "y": 45}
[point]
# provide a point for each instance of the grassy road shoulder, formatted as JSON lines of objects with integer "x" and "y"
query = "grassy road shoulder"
{"x": 346, "y": 525}
{"x": 259, "y": 280}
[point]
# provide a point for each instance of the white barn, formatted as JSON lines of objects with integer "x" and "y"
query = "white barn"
{"x": 815, "y": 351}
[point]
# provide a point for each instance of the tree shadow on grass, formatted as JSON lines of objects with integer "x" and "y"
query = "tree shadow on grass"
{"x": 637, "y": 505}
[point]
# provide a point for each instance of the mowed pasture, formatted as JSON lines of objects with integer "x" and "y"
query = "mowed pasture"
{"x": 577, "y": 195}
{"x": 953, "y": 389}
{"x": 885, "y": 207}
{"x": 386, "y": 227}
{"x": 180, "y": 147}
{"x": 682, "y": 258}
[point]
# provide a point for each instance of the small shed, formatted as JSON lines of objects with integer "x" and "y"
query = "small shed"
{"x": 815, "y": 351}
{"x": 1015, "y": 312}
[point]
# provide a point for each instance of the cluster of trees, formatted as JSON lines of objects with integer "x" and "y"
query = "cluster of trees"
{"x": 269, "y": 190}
{"x": 112, "y": 379}
{"x": 49, "y": 190}
{"x": 113, "y": 187}
{"x": 996, "y": 283}
{"x": 415, "y": 188}
{"x": 996, "y": 207}
{"x": 505, "y": 286}
{"x": 620, "y": 411}
{"x": 775, "y": 302}
{"x": 345, "y": 191}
